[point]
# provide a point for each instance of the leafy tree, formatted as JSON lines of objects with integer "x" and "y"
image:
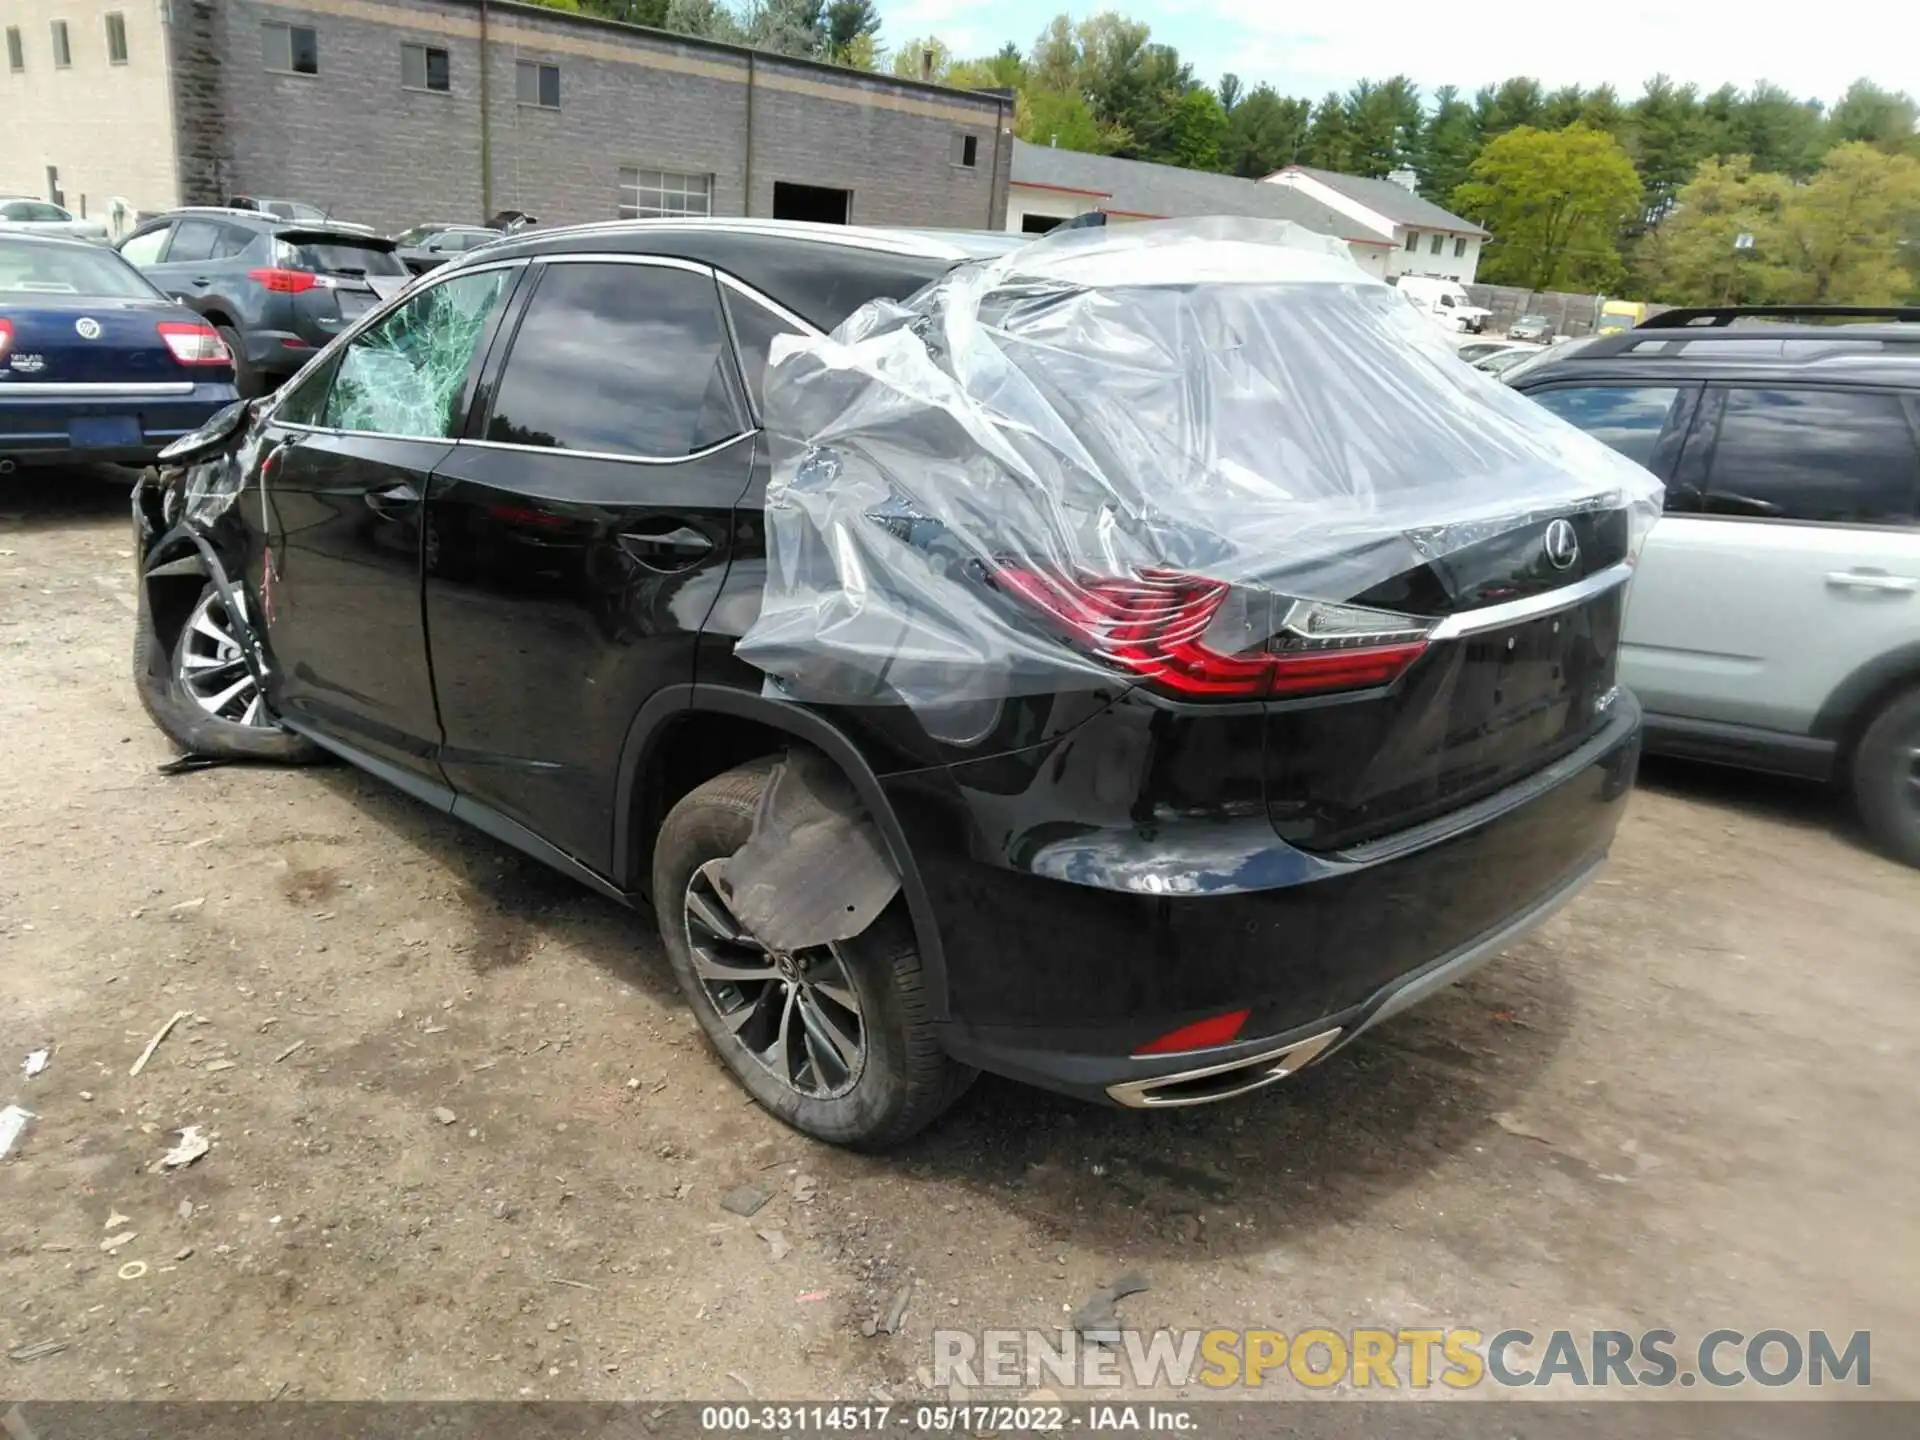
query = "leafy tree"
{"x": 906, "y": 60}
{"x": 1055, "y": 62}
{"x": 1563, "y": 107}
{"x": 1883, "y": 118}
{"x": 788, "y": 27}
{"x": 1666, "y": 142}
{"x": 1384, "y": 122}
{"x": 1512, "y": 103}
{"x": 1448, "y": 145}
{"x": 1198, "y": 130}
{"x": 1782, "y": 134}
{"x": 1329, "y": 139}
{"x": 1555, "y": 202}
{"x": 633, "y": 12}
{"x": 1264, "y": 133}
{"x": 847, "y": 21}
{"x": 863, "y": 53}
{"x": 1229, "y": 91}
{"x": 1053, "y": 117}
{"x": 571, "y": 6}
{"x": 1602, "y": 110}
{"x": 1839, "y": 234}
{"x": 1693, "y": 258}
{"x": 706, "y": 19}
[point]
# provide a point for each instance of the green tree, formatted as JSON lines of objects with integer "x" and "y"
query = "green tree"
{"x": 1696, "y": 256}
{"x": 1449, "y": 145}
{"x": 1883, "y": 118}
{"x": 1563, "y": 107}
{"x": 1053, "y": 117}
{"x": 1265, "y": 132}
{"x": 1328, "y": 144}
{"x": 1230, "y": 92}
{"x": 634, "y": 12}
{"x": 1602, "y": 110}
{"x": 847, "y": 21}
{"x": 1555, "y": 201}
{"x": 907, "y": 59}
{"x": 1197, "y": 130}
{"x": 1840, "y": 235}
{"x": 1384, "y": 124}
{"x": 707, "y": 19}
{"x": 1782, "y": 134}
{"x": 1665, "y": 142}
{"x": 788, "y": 27}
{"x": 1512, "y": 103}
{"x": 1055, "y": 61}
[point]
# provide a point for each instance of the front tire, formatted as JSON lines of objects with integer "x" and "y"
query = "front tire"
{"x": 199, "y": 692}
{"x": 835, "y": 1040}
{"x": 1886, "y": 777}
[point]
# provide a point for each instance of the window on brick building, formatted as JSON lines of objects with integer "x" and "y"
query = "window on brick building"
{"x": 116, "y": 38}
{"x": 290, "y": 49}
{"x": 648, "y": 194}
{"x": 62, "y": 51}
{"x": 537, "y": 84}
{"x": 425, "y": 67}
{"x": 16, "y": 54}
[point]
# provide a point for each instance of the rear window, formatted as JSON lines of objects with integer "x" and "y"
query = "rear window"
{"x": 34, "y": 211}
{"x": 28, "y": 268}
{"x": 341, "y": 257}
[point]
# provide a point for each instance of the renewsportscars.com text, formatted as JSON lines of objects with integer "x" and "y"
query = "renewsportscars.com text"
{"x": 1403, "y": 1359}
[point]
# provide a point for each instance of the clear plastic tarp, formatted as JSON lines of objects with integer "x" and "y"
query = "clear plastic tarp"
{"x": 997, "y": 486}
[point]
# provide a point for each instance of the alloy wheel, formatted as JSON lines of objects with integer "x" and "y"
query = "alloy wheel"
{"x": 798, "y": 1015}
{"x": 212, "y": 668}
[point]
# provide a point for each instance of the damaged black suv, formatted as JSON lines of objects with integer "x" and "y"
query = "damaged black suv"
{"x": 911, "y": 797}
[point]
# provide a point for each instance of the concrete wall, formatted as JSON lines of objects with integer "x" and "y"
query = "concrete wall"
{"x": 353, "y": 140}
{"x": 109, "y": 128}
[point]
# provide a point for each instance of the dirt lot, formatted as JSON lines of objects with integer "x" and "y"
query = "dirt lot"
{"x": 1688, "y": 1102}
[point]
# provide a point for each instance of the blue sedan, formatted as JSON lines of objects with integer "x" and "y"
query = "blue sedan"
{"x": 95, "y": 363}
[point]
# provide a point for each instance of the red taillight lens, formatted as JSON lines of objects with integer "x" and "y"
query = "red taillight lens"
{"x": 1215, "y": 1030}
{"x": 6, "y": 336}
{"x": 286, "y": 282}
{"x": 194, "y": 344}
{"x": 1156, "y": 625}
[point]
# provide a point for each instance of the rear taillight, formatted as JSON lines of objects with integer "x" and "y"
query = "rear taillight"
{"x": 1158, "y": 626}
{"x": 290, "y": 282}
{"x": 194, "y": 344}
{"x": 6, "y": 336}
{"x": 1200, "y": 1035}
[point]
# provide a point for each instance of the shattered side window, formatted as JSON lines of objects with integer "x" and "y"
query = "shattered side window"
{"x": 404, "y": 375}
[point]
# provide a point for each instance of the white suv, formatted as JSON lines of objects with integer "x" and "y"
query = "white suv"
{"x": 1775, "y": 618}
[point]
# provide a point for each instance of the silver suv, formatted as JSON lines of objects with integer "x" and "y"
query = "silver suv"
{"x": 1775, "y": 619}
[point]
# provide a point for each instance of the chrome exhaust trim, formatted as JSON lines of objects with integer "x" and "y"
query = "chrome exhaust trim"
{"x": 1228, "y": 1078}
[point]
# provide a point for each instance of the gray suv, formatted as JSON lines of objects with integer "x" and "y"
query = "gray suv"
{"x": 277, "y": 290}
{"x": 1775, "y": 617}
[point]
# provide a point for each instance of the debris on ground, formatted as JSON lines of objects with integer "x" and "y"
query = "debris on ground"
{"x": 154, "y": 1043}
{"x": 745, "y": 1200}
{"x": 895, "y": 1316}
{"x": 1097, "y": 1320}
{"x": 39, "y": 1350}
{"x": 804, "y": 1188}
{"x": 776, "y": 1244}
{"x": 288, "y": 1051}
{"x": 191, "y": 1147}
{"x": 185, "y": 1211}
{"x": 114, "y": 1241}
{"x": 115, "y": 1220}
{"x": 13, "y": 1124}
{"x": 444, "y": 1115}
{"x": 187, "y": 764}
{"x": 133, "y": 1270}
{"x": 35, "y": 1063}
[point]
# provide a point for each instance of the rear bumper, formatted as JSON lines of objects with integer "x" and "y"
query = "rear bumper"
{"x": 281, "y": 352}
{"x": 40, "y": 427}
{"x": 1060, "y": 983}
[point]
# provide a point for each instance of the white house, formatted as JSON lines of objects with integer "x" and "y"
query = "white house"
{"x": 1048, "y": 186}
{"x": 1423, "y": 238}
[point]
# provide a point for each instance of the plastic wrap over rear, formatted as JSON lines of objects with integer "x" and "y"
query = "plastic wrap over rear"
{"x": 1230, "y": 400}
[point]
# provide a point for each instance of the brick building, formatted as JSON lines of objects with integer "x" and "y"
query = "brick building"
{"x": 382, "y": 111}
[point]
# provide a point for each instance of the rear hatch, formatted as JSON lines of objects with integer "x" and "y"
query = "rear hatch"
{"x": 1516, "y": 670}
{"x": 334, "y": 276}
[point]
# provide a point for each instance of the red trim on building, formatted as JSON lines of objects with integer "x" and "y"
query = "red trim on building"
{"x": 1063, "y": 189}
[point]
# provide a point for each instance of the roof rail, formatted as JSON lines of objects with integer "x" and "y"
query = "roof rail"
{"x": 1716, "y": 316}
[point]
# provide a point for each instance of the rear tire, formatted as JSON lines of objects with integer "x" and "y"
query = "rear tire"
{"x": 248, "y": 382}
{"x": 902, "y": 1080}
{"x": 159, "y": 675}
{"x": 1886, "y": 777}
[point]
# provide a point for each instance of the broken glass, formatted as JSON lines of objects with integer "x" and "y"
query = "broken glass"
{"x": 403, "y": 376}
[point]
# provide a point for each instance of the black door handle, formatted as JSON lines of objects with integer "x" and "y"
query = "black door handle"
{"x": 394, "y": 501}
{"x": 666, "y": 546}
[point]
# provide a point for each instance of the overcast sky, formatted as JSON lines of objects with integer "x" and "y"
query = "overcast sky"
{"x": 1309, "y": 48}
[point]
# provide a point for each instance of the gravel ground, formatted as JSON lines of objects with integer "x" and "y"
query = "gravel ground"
{"x": 465, "y": 1141}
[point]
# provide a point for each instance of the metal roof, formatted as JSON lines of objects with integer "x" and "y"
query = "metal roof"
{"x": 1140, "y": 188}
{"x": 1398, "y": 204}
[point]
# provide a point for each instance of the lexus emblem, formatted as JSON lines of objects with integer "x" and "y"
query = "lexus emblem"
{"x": 87, "y": 328}
{"x": 1563, "y": 545}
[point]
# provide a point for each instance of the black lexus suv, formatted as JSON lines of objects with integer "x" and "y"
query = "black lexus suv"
{"x": 512, "y": 586}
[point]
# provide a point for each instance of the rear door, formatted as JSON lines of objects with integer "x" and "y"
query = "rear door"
{"x": 576, "y": 544}
{"x": 352, "y": 447}
{"x": 1797, "y": 562}
{"x": 333, "y": 278}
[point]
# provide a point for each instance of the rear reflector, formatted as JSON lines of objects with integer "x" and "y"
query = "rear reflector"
{"x": 193, "y": 344}
{"x": 6, "y": 336}
{"x": 1156, "y": 626}
{"x": 1200, "y": 1035}
{"x": 291, "y": 282}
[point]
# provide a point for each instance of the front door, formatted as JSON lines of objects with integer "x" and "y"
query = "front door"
{"x": 350, "y": 451}
{"x": 576, "y": 545}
